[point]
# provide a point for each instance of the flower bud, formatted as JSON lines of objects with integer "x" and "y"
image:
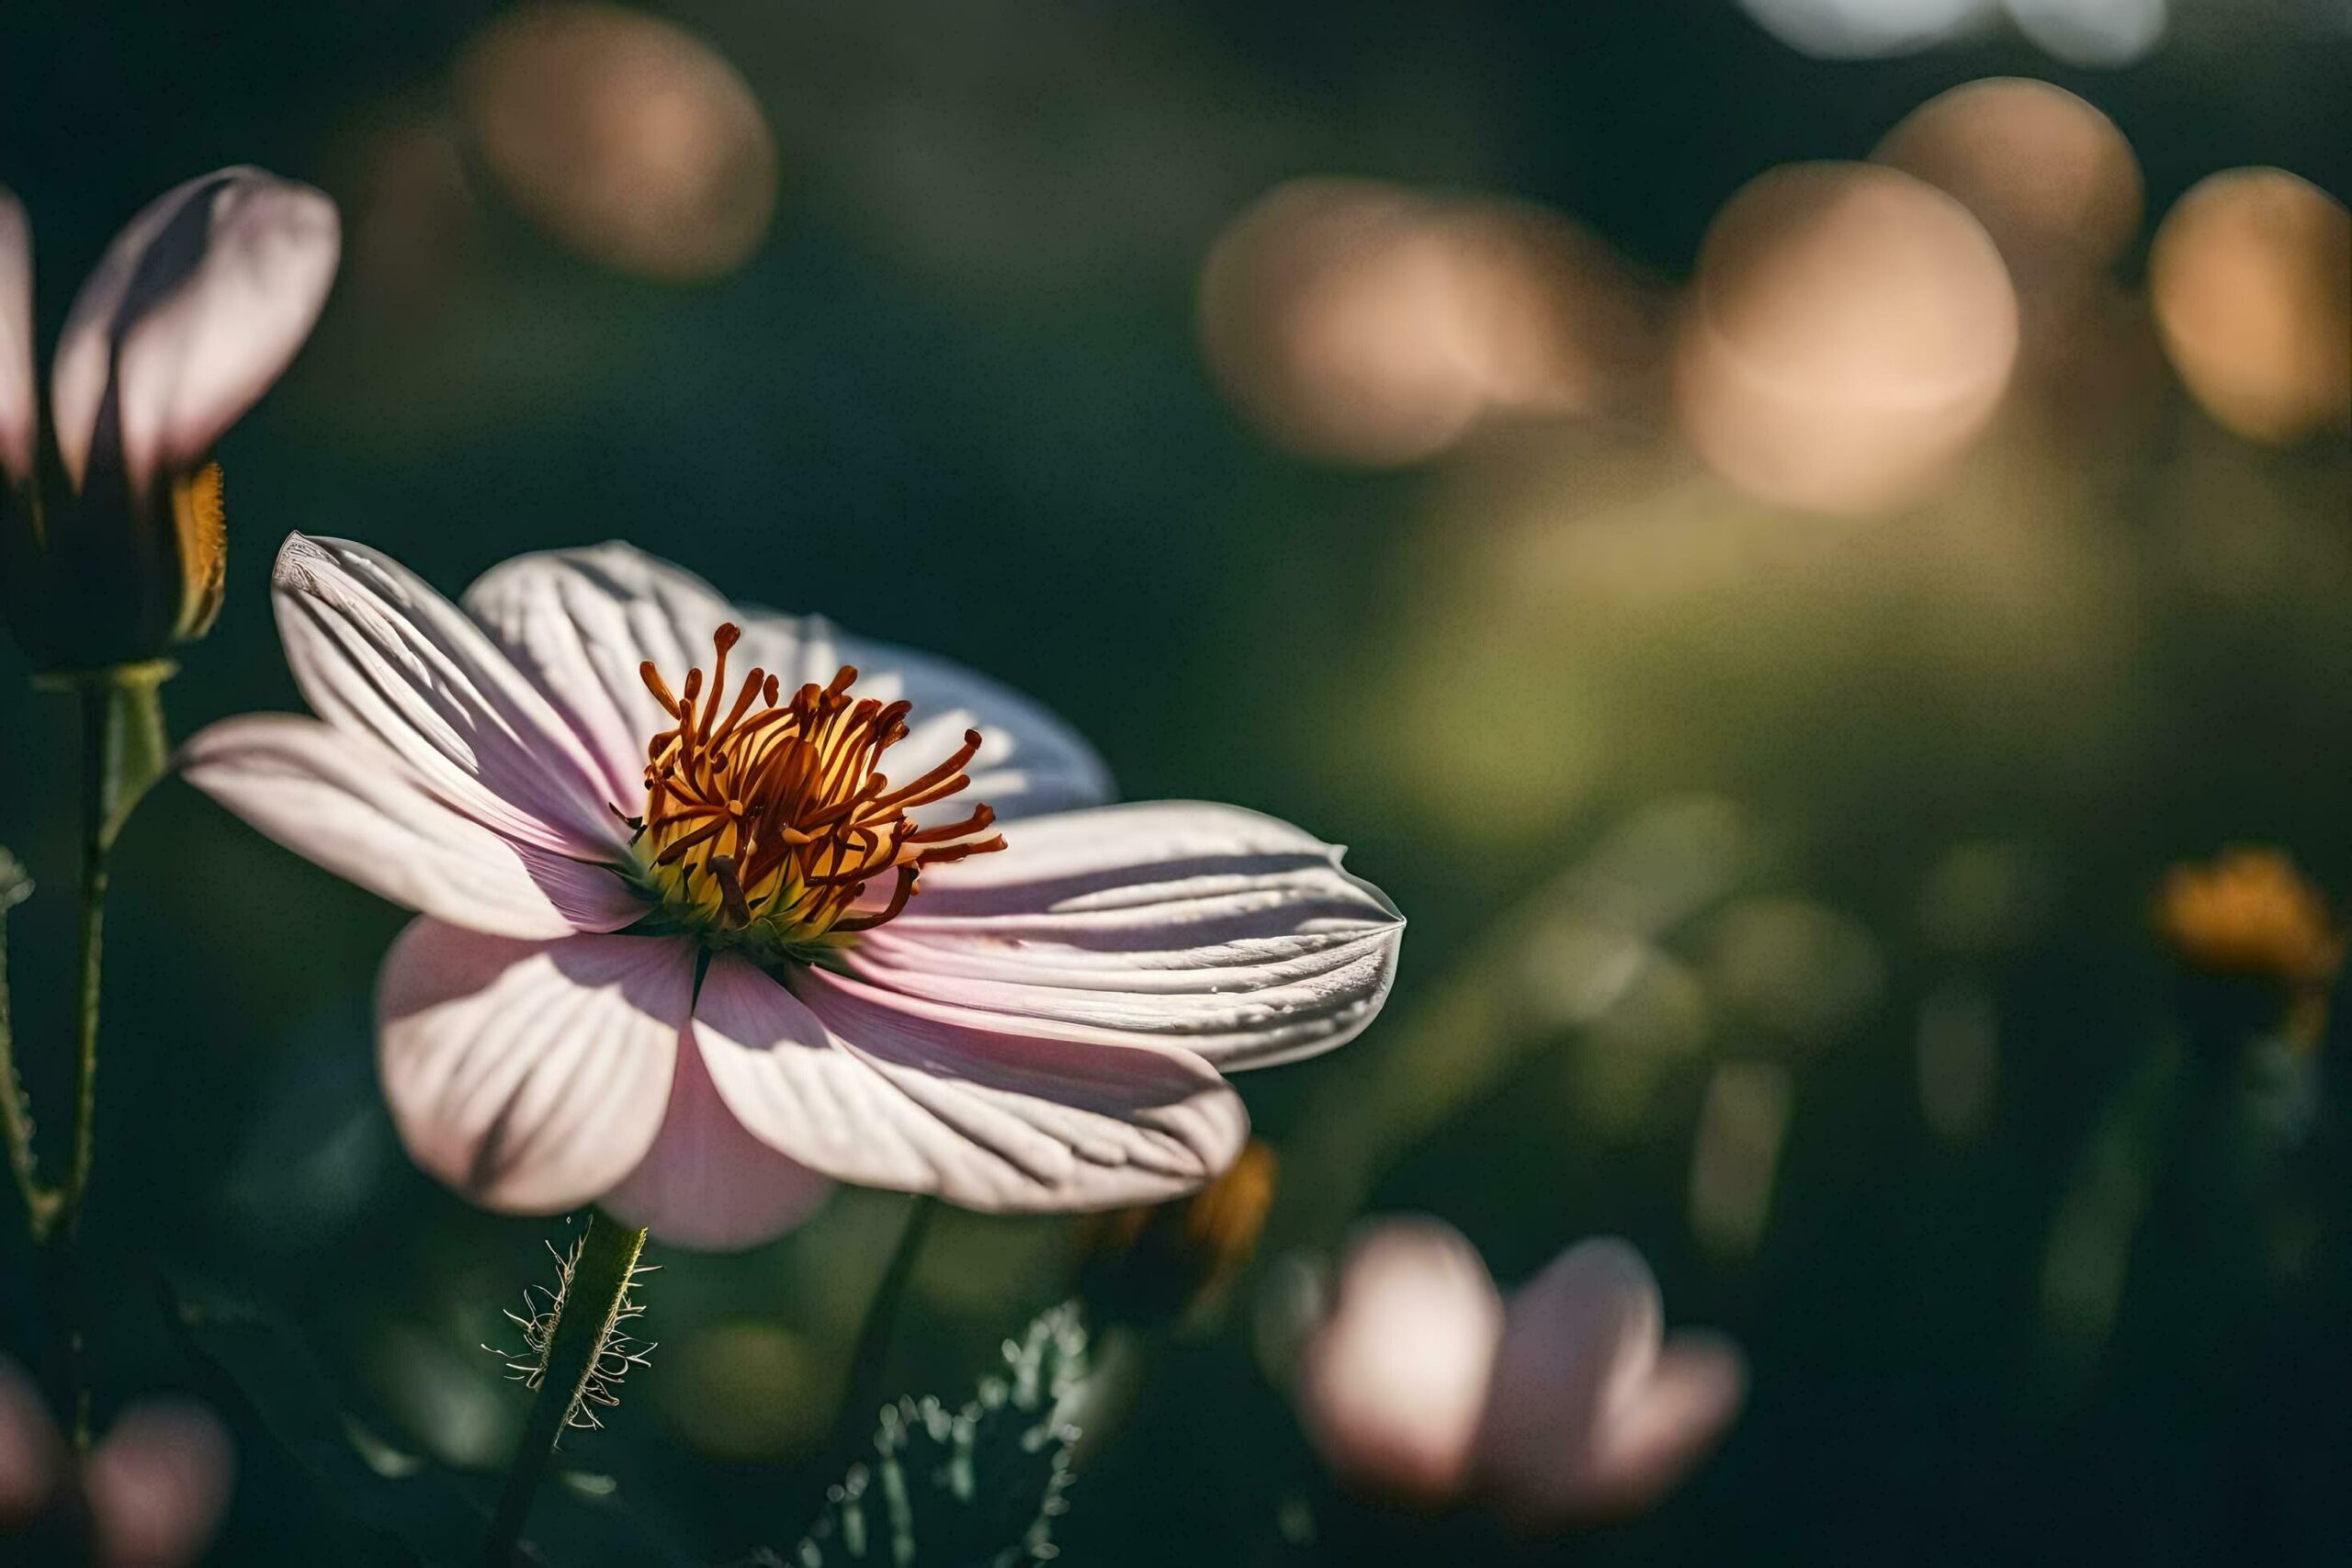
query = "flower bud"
{"x": 1160, "y": 1263}
{"x": 112, "y": 528}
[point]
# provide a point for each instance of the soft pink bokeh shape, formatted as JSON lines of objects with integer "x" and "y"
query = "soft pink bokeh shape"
{"x": 1567, "y": 1402}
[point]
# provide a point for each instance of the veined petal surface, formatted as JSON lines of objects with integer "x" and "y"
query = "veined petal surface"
{"x": 379, "y": 653}
{"x": 1229, "y": 933}
{"x": 531, "y": 1076}
{"x": 868, "y": 1089}
{"x": 581, "y": 621}
{"x": 347, "y": 804}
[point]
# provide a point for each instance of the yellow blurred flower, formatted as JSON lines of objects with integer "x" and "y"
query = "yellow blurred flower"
{"x": 2250, "y": 914}
{"x": 1164, "y": 1261}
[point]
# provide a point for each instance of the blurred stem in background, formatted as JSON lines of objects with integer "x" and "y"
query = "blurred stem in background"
{"x": 123, "y": 753}
{"x": 869, "y": 1356}
{"x": 579, "y": 1356}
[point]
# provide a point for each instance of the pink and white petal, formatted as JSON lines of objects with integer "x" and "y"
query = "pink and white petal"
{"x": 1677, "y": 1418}
{"x": 379, "y": 653}
{"x": 580, "y": 622}
{"x": 193, "y": 311}
{"x": 531, "y": 1076}
{"x": 707, "y": 1184}
{"x": 1392, "y": 1383}
{"x": 19, "y": 385}
{"x": 158, "y": 1485}
{"x": 1233, "y": 935}
{"x": 344, "y": 803}
{"x": 868, "y": 1088}
{"x": 1029, "y": 763}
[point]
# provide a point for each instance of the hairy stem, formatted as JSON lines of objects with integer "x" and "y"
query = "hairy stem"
{"x": 586, "y": 1314}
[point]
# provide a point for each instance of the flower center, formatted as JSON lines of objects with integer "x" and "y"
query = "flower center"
{"x": 768, "y": 823}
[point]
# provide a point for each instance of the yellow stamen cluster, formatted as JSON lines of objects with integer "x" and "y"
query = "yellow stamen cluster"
{"x": 767, "y": 819}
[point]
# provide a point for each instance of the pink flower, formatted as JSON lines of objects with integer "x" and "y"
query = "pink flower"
{"x": 1567, "y": 1404}
{"x": 112, "y": 531}
{"x": 153, "y": 1487}
{"x": 689, "y": 950}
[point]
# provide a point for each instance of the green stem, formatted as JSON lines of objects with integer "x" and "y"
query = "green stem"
{"x": 122, "y": 755}
{"x": 16, "y": 1111}
{"x": 869, "y": 1360}
{"x": 591, "y": 1303}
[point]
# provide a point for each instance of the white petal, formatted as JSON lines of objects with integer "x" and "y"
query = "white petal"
{"x": 157, "y": 1484}
{"x": 865, "y": 1089}
{"x": 707, "y": 1184}
{"x": 1392, "y": 1383}
{"x": 347, "y": 804}
{"x": 379, "y": 653}
{"x": 1029, "y": 762}
{"x": 530, "y": 1076}
{"x": 581, "y": 621}
{"x": 196, "y": 309}
{"x": 19, "y": 396}
{"x": 1231, "y": 934}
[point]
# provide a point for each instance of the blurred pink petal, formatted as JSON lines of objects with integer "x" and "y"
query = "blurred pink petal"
{"x": 708, "y": 1185}
{"x": 868, "y": 1089}
{"x": 19, "y": 383}
{"x": 1393, "y": 1382}
{"x": 379, "y": 653}
{"x": 1669, "y": 1425}
{"x": 157, "y": 1485}
{"x": 347, "y": 804}
{"x": 580, "y": 622}
{"x": 1233, "y": 935}
{"x": 31, "y": 1458}
{"x": 532, "y": 1077}
{"x": 1586, "y": 1418}
{"x": 194, "y": 309}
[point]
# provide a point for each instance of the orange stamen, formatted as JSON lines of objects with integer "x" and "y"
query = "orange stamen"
{"x": 776, "y": 814}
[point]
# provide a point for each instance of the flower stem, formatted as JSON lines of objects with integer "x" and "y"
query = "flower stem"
{"x": 586, "y": 1314}
{"x": 862, "y": 1391}
{"x": 16, "y": 1111}
{"x": 122, "y": 755}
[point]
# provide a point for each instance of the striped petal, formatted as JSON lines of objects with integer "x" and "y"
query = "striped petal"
{"x": 531, "y": 1076}
{"x": 869, "y": 1088}
{"x": 1233, "y": 935}
{"x": 378, "y": 653}
{"x": 707, "y": 1184}
{"x": 347, "y": 804}
{"x": 580, "y": 622}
